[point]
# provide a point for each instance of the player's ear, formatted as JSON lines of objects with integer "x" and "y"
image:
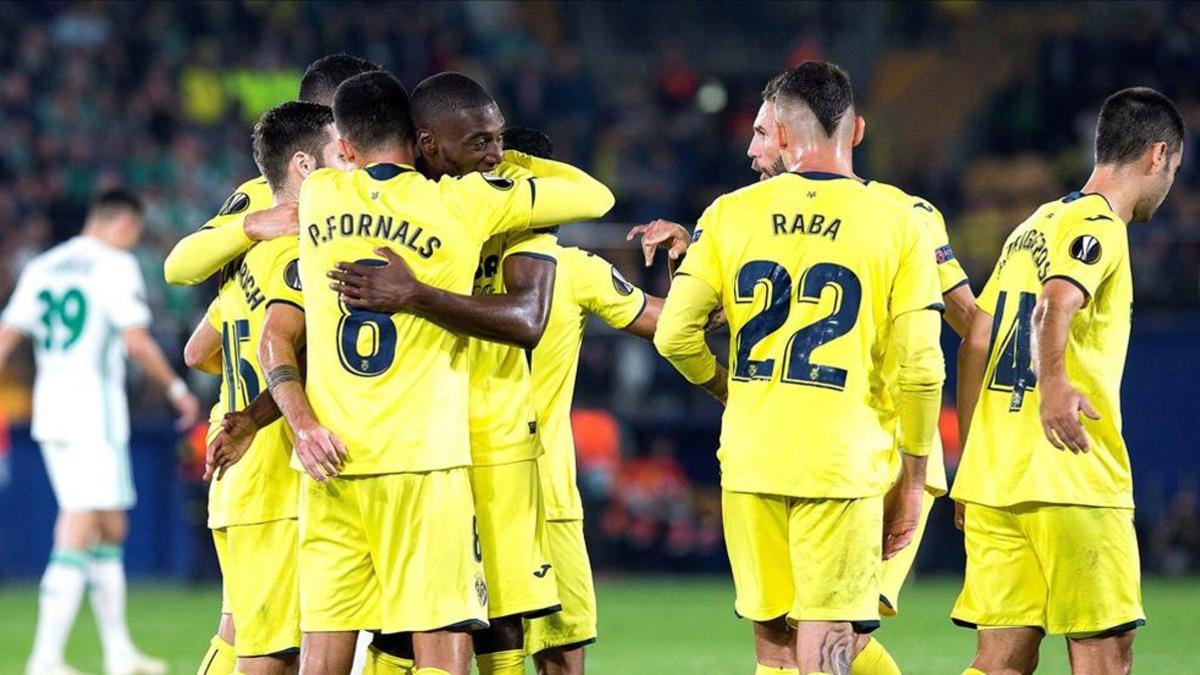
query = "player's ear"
{"x": 781, "y": 136}
{"x": 304, "y": 163}
{"x": 426, "y": 143}
{"x": 860, "y": 130}
{"x": 347, "y": 150}
{"x": 1160, "y": 157}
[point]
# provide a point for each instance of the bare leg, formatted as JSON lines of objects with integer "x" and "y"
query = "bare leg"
{"x": 775, "y": 643}
{"x": 1008, "y": 651}
{"x": 449, "y": 650}
{"x": 559, "y": 661}
{"x": 825, "y": 647}
{"x": 1102, "y": 655}
{"x": 330, "y": 653}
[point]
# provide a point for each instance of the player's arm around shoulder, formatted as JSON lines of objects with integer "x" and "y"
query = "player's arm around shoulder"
{"x": 561, "y": 193}
{"x": 246, "y": 216}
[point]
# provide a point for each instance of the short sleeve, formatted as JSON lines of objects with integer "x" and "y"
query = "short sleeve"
{"x": 283, "y": 275}
{"x": 213, "y": 314}
{"x": 1086, "y": 250}
{"x": 491, "y": 204}
{"x": 601, "y": 290}
{"x": 986, "y": 301}
{"x": 24, "y": 311}
{"x": 535, "y": 244}
{"x": 916, "y": 284}
{"x": 950, "y": 272}
{"x": 253, "y": 195}
{"x": 127, "y": 306}
{"x": 702, "y": 261}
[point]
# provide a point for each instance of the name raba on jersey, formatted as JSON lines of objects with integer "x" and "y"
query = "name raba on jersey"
{"x": 815, "y": 223}
{"x": 377, "y": 227}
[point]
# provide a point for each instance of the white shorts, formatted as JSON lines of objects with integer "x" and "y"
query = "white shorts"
{"x": 90, "y": 475}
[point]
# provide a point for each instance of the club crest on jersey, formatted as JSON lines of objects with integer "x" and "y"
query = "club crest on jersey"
{"x": 1086, "y": 249}
{"x": 291, "y": 275}
{"x": 481, "y": 590}
{"x": 623, "y": 287}
{"x": 237, "y": 202}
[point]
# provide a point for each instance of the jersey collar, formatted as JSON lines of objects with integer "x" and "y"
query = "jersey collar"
{"x": 386, "y": 170}
{"x": 1077, "y": 194}
{"x": 820, "y": 175}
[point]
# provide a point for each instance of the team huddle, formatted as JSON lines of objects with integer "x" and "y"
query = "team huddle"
{"x": 397, "y": 332}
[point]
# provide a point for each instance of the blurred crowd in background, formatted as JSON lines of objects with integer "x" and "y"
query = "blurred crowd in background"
{"x": 985, "y": 111}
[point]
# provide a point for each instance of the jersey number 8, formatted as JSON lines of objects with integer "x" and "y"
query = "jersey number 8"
{"x": 378, "y": 329}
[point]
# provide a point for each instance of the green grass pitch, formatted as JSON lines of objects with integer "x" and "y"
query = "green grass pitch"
{"x": 648, "y": 626}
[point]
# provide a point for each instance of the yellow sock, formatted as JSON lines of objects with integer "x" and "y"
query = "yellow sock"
{"x": 510, "y": 662}
{"x": 774, "y": 670}
{"x": 874, "y": 660}
{"x": 973, "y": 671}
{"x": 380, "y": 662}
{"x": 220, "y": 659}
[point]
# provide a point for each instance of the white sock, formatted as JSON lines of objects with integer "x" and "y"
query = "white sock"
{"x": 58, "y": 603}
{"x": 107, "y": 574}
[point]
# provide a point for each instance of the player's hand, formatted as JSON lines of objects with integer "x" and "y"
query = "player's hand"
{"x": 278, "y": 221}
{"x": 229, "y": 445}
{"x": 661, "y": 234}
{"x": 960, "y": 515}
{"x": 901, "y": 515}
{"x": 718, "y": 386}
{"x": 320, "y": 452}
{"x": 391, "y": 288}
{"x": 188, "y": 407}
{"x": 1060, "y": 407}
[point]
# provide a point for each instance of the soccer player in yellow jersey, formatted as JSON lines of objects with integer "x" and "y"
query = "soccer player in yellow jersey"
{"x": 870, "y": 656}
{"x": 249, "y": 215}
{"x": 522, "y": 312}
{"x": 387, "y": 538}
{"x": 820, "y": 279}
{"x": 252, "y": 510}
{"x": 459, "y": 127}
{"x": 1045, "y": 474}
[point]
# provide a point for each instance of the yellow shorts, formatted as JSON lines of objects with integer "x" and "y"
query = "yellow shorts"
{"x": 394, "y": 552}
{"x": 1069, "y": 570}
{"x": 258, "y": 568}
{"x": 512, "y": 531}
{"x": 575, "y": 625}
{"x": 895, "y": 571}
{"x": 809, "y": 559}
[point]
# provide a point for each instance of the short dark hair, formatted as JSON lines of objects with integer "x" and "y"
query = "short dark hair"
{"x": 446, "y": 93}
{"x": 822, "y": 86}
{"x": 529, "y": 141}
{"x": 114, "y": 201}
{"x": 372, "y": 111}
{"x": 772, "y": 88}
{"x": 1132, "y": 120}
{"x": 323, "y": 76}
{"x": 282, "y": 131}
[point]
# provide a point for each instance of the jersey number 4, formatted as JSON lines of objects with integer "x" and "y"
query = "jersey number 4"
{"x": 69, "y": 311}
{"x": 798, "y": 367}
{"x": 366, "y": 339}
{"x": 1013, "y": 372}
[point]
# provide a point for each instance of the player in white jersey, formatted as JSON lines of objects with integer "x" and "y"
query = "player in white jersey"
{"x": 83, "y": 305}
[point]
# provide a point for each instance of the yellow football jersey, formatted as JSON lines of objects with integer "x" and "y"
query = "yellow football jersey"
{"x": 1008, "y": 459}
{"x": 584, "y": 284}
{"x": 260, "y": 487}
{"x": 394, "y": 388}
{"x": 199, "y": 255}
{"x": 950, "y": 276}
{"x": 811, "y": 269}
{"x": 503, "y": 420}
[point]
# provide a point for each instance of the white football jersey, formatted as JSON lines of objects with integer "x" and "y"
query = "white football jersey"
{"x": 73, "y": 301}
